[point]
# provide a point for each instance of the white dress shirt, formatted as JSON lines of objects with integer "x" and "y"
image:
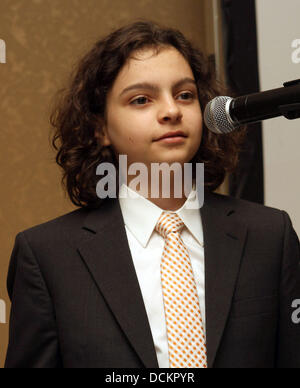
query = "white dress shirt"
{"x": 146, "y": 245}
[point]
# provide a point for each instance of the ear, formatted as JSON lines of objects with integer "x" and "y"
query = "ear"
{"x": 102, "y": 135}
{"x": 106, "y": 140}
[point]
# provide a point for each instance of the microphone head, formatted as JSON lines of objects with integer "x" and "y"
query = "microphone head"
{"x": 217, "y": 117}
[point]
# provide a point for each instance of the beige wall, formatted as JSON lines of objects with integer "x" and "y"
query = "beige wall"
{"x": 43, "y": 39}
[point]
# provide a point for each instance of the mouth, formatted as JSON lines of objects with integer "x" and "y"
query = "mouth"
{"x": 173, "y": 136}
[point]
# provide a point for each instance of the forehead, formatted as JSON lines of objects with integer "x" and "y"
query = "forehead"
{"x": 168, "y": 64}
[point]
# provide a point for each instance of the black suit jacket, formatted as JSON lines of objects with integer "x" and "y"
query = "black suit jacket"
{"x": 76, "y": 300}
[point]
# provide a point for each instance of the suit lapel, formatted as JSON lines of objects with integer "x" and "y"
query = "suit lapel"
{"x": 106, "y": 253}
{"x": 224, "y": 239}
{"x": 108, "y": 258}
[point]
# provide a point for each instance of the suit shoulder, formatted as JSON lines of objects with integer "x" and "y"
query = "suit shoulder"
{"x": 246, "y": 204}
{"x": 55, "y": 231}
{"x": 71, "y": 218}
{"x": 251, "y": 212}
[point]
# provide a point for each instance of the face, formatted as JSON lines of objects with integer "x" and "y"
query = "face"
{"x": 165, "y": 101}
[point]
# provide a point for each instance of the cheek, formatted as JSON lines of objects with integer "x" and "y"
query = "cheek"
{"x": 135, "y": 132}
{"x": 131, "y": 140}
{"x": 196, "y": 124}
{"x": 201, "y": 129}
{"x": 126, "y": 138}
{"x": 200, "y": 122}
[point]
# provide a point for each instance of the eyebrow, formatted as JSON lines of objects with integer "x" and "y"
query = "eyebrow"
{"x": 154, "y": 88}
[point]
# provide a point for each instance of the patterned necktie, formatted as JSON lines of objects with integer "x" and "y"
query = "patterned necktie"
{"x": 186, "y": 339}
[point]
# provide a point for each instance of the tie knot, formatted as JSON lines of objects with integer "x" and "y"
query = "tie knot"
{"x": 168, "y": 223}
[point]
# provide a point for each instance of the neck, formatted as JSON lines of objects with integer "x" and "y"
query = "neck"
{"x": 167, "y": 201}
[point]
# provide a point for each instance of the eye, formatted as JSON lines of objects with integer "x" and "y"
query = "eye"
{"x": 187, "y": 95}
{"x": 139, "y": 101}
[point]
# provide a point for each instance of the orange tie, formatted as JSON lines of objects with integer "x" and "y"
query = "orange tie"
{"x": 186, "y": 338}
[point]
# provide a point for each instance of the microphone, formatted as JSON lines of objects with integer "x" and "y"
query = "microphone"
{"x": 225, "y": 114}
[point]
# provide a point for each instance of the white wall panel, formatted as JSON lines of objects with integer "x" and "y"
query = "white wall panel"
{"x": 278, "y": 26}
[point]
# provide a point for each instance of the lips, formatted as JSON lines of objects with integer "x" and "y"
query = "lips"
{"x": 172, "y": 134}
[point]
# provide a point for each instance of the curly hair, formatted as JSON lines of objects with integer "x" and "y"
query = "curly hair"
{"x": 80, "y": 110}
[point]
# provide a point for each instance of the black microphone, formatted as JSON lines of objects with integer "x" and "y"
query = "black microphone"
{"x": 225, "y": 114}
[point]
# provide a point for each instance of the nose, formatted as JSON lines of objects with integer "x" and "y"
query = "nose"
{"x": 169, "y": 111}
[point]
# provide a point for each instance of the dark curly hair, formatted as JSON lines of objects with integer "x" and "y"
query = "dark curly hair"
{"x": 80, "y": 110}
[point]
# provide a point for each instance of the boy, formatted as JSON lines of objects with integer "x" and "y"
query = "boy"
{"x": 151, "y": 282}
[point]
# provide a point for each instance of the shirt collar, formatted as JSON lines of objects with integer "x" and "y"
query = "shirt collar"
{"x": 141, "y": 215}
